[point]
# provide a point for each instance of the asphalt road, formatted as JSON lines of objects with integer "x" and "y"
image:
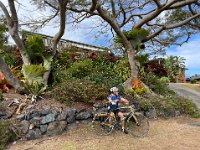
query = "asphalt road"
{"x": 186, "y": 92}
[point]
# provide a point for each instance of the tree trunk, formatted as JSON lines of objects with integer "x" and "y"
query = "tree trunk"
{"x": 12, "y": 80}
{"x": 129, "y": 48}
{"x": 20, "y": 45}
{"x": 57, "y": 37}
{"x": 133, "y": 63}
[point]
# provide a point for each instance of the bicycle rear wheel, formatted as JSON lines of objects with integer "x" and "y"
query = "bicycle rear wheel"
{"x": 137, "y": 126}
{"x": 102, "y": 127}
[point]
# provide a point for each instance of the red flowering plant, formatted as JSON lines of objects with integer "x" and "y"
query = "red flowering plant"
{"x": 3, "y": 83}
{"x": 137, "y": 88}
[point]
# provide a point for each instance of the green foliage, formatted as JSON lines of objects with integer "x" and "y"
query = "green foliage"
{"x": 177, "y": 15}
{"x": 36, "y": 50}
{"x": 102, "y": 71}
{"x": 78, "y": 90}
{"x": 137, "y": 91}
{"x": 33, "y": 71}
{"x": 136, "y": 37}
{"x": 142, "y": 58}
{"x": 188, "y": 107}
{"x": 9, "y": 59}
{"x": 164, "y": 80}
{"x": 121, "y": 69}
{"x": 33, "y": 79}
{"x": 193, "y": 81}
{"x": 3, "y": 36}
{"x": 6, "y": 134}
{"x": 155, "y": 84}
{"x": 81, "y": 69}
{"x": 174, "y": 66}
{"x": 35, "y": 45}
{"x": 167, "y": 106}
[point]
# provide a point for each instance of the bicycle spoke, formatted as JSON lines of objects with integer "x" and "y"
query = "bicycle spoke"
{"x": 102, "y": 127}
{"x": 139, "y": 127}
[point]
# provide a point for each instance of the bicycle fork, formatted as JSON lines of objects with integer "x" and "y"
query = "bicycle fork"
{"x": 134, "y": 117}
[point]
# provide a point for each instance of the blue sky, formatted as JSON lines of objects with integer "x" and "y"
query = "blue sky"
{"x": 191, "y": 52}
{"x": 84, "y": 33}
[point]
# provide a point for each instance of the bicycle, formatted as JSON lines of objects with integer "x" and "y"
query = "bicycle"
{"x": 135, "y": 122}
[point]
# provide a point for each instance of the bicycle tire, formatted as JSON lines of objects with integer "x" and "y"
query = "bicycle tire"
{"x": 102, "y": 127}
{"x": 138, "y": 130}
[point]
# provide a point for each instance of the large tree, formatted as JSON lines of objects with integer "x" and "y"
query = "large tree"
{"x": 167, "y": 21}
{"x": 12, "y": 24}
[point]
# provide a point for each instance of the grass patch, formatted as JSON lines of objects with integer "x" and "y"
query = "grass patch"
{"x": 195, "y": 87}
{"x": 6, "y": 134}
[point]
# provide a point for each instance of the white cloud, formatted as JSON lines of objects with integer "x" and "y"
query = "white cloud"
{"x": 81, "y": 33}
{"x": 190, "y": 51}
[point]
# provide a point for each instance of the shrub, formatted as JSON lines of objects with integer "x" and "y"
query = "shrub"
{"x": 164, "y": 80}
{"x": 6, "y": 134}
{"x": 121, "y": 69}
{"x": 193, "y": 81}
{"x": 78, "y": 91}
{"x": 156, "y": 84}
{"x": 188, "y": 107}
{"x": 81, "y": 69}
{"x": 166, "y": 106}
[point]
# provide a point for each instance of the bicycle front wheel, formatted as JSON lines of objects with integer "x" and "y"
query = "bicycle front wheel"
{"x": 102, "y": 127}
{"x": 137, "y": 125}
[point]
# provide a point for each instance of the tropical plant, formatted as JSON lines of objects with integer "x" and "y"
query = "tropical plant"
{"x": 174, "y": 66}
{"x": 33, "y": 79}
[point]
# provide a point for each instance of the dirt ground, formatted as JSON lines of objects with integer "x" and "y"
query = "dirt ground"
{"x": 180, "y": 133}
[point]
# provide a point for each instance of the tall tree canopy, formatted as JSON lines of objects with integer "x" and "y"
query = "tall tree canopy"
{"x": 155, "y": 22}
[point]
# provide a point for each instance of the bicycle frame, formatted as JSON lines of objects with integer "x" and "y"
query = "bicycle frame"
{"x": 135, "y": 122}
{"x": 116, "y": 121}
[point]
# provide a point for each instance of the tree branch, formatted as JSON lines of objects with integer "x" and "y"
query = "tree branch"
{"x": 62, "y": 8}
{"x": 157, "y": 3}
{"x": 80, "y": 10}
{"x": 43, "y": 22}
{"x": 134, "y": 15}
{"x": 171, "y": 27}
{"x": 191, "y": 10}
{"x": 113, "y": 8}
{"x": 13, "y": 12}
{"x": 182, "y": 22}
{"x": 49, "y": 4}
{"x": 93, "y": 7}
{"x": 155, "y": 14}
{"x": 181, "y": 4}
{"x": 5, "y": 11}
{"x": 155, "y": 34}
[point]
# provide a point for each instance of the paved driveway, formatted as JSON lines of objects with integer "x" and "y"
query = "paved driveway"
{"x": 186, "y": 92}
